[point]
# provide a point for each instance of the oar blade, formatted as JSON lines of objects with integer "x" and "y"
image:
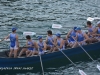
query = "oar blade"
{"x": 98, "y": 67}
{"x": 56, "y": 26}
{"x": 90, "y": 19}
{"x": 29, "y": 33}
{"x": 81, "y": 72}
{"x": 96, "y": 18}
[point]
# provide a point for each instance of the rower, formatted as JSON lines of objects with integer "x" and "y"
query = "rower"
{"x": 60, "y": 43}
{"x": 81, "y": 37}
{"x": 91, "y": 32}
{"x": 50, "y": 40}
{"x": 14, "y": 44}
{"x": 97, "y": 35}
{"x": 41, "y": 45}
{"x": 69, "y": 38}
{"x": 30, "y": 47}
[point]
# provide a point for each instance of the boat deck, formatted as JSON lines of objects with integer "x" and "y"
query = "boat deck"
{"x": 3, "y": 54}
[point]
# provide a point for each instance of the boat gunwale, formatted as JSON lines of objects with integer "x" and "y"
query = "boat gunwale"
{"x": 48, "y": 53}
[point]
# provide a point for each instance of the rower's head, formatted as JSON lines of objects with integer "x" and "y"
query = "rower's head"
{"x": 89, "y": 24}
{"x": 74, "y": 29}
{"x": 28, "y": 37}
{"x": 14, "y": 29}
{"x": 98, "y": 23}
{"x": 58, "y": 35}
{"x": 78, "y": 29}
{"x": 49, "y": 32}
{"x": 40, "y": 38}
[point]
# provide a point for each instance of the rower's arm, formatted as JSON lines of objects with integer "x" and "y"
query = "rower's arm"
{"x": 17, "y": 40}
{"x": 97, "y": 34}
{"x": 95, "y": 30}
{"x": 46, "y": 40}
{"x": 88, "y": 33}
{"x": 35, "y": 45}
{"x": 86, "y": 37}
{"x": 68, "y": 34}
{"x": 55, "y": 40}
{"x": 27, "y": 44}
{"x": 7, "y": 37}
{"x": 76, "y": 38}
{"x": 45, "y": 46}
{"x": 62, "y": 43}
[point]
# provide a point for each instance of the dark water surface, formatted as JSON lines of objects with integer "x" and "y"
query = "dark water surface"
{"x": 39, "y": 15}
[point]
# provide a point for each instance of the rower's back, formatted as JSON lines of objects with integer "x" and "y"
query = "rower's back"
{"x": 80, "y": 37}
{"x": 31, "y": 42}
{"x": 12, "y": 39}
{"x": 50, "y": 40}
{"x": 91, "y": 28}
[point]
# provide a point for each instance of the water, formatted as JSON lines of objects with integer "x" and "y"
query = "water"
{"x": 39, "y": 15}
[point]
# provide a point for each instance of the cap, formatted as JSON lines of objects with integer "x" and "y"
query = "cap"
{"x": 39, "y": 37}
{"x": 98, "y": 22}
{"x": 14, "y": 28}
{"x": 74, "y": 28}
{"x": 78, "y": 28}
{"x": 58, "y": 35}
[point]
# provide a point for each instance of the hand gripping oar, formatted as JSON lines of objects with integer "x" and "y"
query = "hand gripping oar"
{"x": 81, "y": 72}
{"x": 92, "y": 19}
{"x": 98, "y": 67}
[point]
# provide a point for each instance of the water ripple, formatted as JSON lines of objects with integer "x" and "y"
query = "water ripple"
{"x": 39, "y": 15}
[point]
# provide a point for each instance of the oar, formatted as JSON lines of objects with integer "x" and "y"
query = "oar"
{"x": 60, "y": 26}
{"x": 92, "y": 19}
{"x": 41, "y": 63}
{"x": 33, "y": 33}
{"x": 98, "y": 67}
{"x": 81, "y": 72}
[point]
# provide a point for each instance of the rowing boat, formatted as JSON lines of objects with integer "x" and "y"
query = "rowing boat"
{"x": 49, "y": 57}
